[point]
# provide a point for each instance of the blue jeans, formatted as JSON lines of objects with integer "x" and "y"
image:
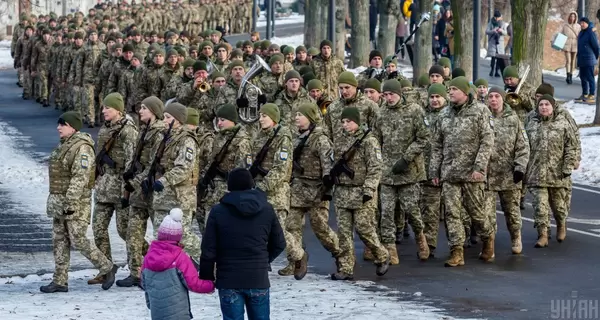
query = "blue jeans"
{"x": 256, "y": 302}
{"x": 588, "y": 83}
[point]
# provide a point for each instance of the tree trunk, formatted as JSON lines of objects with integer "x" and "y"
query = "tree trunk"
{"x": 423, "y": 43}
{"x": 340, "y": 29}
{"x": 463, "y": 35}
{"x": 520, "y": 30}
{"x": 310, "y": 23}
{"x": 359, "y": 14}
{"x": 388, "y": 21}
{"x": 322, "y": 23}
{"x": 535, "y": 45}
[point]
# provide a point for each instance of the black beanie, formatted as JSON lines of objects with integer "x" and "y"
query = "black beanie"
{"x": 240, "y": 179}
{"x": 375, "y": 53}
{"x": 325, "y": 43}
{"x": 458, "y": 72}
{"x": 436, "y": 69}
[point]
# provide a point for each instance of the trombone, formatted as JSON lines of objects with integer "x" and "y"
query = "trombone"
{"x": 513, "y": 98}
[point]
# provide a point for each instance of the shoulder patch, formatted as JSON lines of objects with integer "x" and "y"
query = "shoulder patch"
{"x": 283, "y": 154}
{"x": 189, "y": 154}
{"x": 378, "y": 153}
{"x": 84, "y": 161}
{"x": 249, "y": 160}
{"x": 492, "y": 121}
{"x": 426, "y": 121}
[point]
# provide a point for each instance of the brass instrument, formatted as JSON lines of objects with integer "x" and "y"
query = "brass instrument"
{"x": 211, "y": 67}
{"x": 204, "y": 87}
{"x": 251, "y": 92}
{"x": 512, "y": 98}
{"x": 323, "y": 107}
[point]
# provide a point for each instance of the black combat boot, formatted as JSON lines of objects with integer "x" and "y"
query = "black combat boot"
{"x": 128, "y": 282}
{"x": 382, "y": 268}
{"x": 53, "y": 287}
{"x": 342, "y": 276}
{"x": 109, "y": 278}
{"x": 45, "y": 103}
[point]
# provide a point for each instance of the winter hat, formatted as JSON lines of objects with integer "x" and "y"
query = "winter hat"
{"x": 423, "y": 81}
{"x": 236, "y": 63}
{"x": 171, "y": 53}
{"x": 128, "y": 48}
{"x": 181, "y": 51}
{"x": 228, "y": 112}
{"x": 305, "y": 70}
{"x": 352, "y": 113}
{"x": 235, "y": 53}
{"x": 272, "y": 110}
{"x": 193, "y": 117}
{"x": 458, "y": 72}
{"x": 461, "y": 83}
{"x": 200, "y": 65}
{"x": 115, "y": 101}
{"x": 390, "y": 60}
{"x": 240, "y": 179}
{"x": 585, "y": 19}
{"x": 264, "y": 45}
{"x": 497, "y": 90}
{"x": 405, "y": 83}
{"x": 438, "y": 88}
{"x": 481, "y": 82}
{"x": 325, "y": 43}
{"x": 257, "y": 45}
{"x": 547, "y": 97}
{"x": 497, "y": 13}
{"x": 308, "y": 77}
{"x": 510, "y": 72}
{"x": 72, "y": 118}
{"x": 316, "y": 84}
{"x": 436, "y": 69}
{"x": 375, "y": 53}
{"x": 170, "y": 228}
{"x": 206, "y": 44}
{"x": 246, "y": 43}
{"x": 155, "y": 105}
{"x": 545, "y": 88}
{"x": 374, "y": 84}
{"x": 445, "y": 62}
{"x": 292, "y": 74}
{"x": 300, "y": 49}
{"x": 392, "y": 85}
{"x": 138, "y": 57}
{"x": 188, "y": 62}
{"x": 288, "y": 50}
{"x": 276, "y": 58}
{"x": 310, "y": 111}
{"x": 178, "y": 111}
{"x": 313, "y": 52}
{"x": 217, "y": 74}
{"x": 348, "y": 77}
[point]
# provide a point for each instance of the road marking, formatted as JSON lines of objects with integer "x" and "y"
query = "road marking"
{"x": 595, "y": 230}
{"x": 594, "y": 222}
{"x": 586, "y": 189}
{"x": 553, "y": 225}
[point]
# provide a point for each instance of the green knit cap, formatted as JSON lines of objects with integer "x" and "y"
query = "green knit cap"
{"x": 272, "y": 110}
{"x": 348, "y": 77}
{"x": 228, "y": 112}
{"x": 390, "y": 59}
{"x": 547, "y": 97}
{"x": 200, "y": 65}
{"x": 236, "y": 63}
{"x": 264, "y": 45}
{"x": 545, "y": 88}
{"x": 193, "y": 117}
{"x": 313, "y": 52}
{"x": 292, "y": 74}
{"x": 188, "y": 62}
{"x": 423, "y": 81}
{"x": 171, "y": 53}
{"x": 438, "y": 88}
{"x": 315, "y": 84}
{"x": 217, "y": 74}
{"x": 445, "y": 62}
{"x": 239, "y": 44}
{"x": 72, "y": 118}
{"x": 257, "y": 44}
{"x": 276, "y": 58}
{"x": 206, "y": 44}
{"x": 288, "y": 50}
{"x": 373, "y": 84}
{"x": 115, "y": 101}
{"x": 352, "y": 113}
{"x": 405, "y": 83}
{"x": 481, "y": 82}
{"x": 458, "y": 72}
{"x": 177, "y": 111}
{"x": 510, "y": 72}
{"x": 311, "y": 112}
{"x": 392, "y": 85}
{"x": 304, "y": 70}
{"x": 326, "y": 43}
{"x": 308, "y": 77}
{"x": 497, "y": 90}
{"x": 461, "y": 83}
{"x": 300, "y": 49}
{"x": 155, "y": 105}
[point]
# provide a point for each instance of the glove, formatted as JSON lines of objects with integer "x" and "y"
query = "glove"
{"x": 242, "y": 102}
{"x": 400, "y": 166}
{"x": 518, "y": 176}
{"x": 129, "y": 188}
{"x": 262, "y": 99}
{"x": 326, "y": 197}
{"x": 128, "y": 175}
{"x": 68, "y": 212}
{"x": 146, "y": 187}
{"x": 393, "y": 75}
{"x": 366, "y": 198}
{"x": 566, "y": 175}
{"x": 124, "y": 203}
{"x": 328, "y": 181}
{"x": 158, "y": 186}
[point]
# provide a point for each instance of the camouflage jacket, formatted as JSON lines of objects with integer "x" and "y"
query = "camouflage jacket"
{"x": 270, "y": 84}
{"x": 75, "y": 77}
{"x": 510, "y": 152}
{"x": 150, "y": 77}
{"x": 115, "y": 76}
{"x": 174, "y": 84}
{"x": 87, "y": 61}
{"x": 40, "y": 58}
{"x": 164, "y": 76}
{"x": 140, "y": 48}
{"x": 333, "y": 118}
{"x": 328, "y": 71}
{"x": 366, "y": 75}
{"x": 239, "y": 152}
{"x": 402, "y": 134}
{"x": 431, "y": 118}
{"x": 104, "y": 74}
{"x": 288, "y": 105}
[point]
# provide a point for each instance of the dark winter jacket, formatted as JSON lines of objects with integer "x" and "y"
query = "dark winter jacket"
{"x": 243, "y": 236}
{"x": 587, "y": 47}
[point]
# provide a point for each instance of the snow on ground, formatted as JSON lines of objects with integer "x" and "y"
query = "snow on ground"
{"x": 589, "y": 168}
{"x": 581, "y": 112}
{"x": 6, "y": 61}
{"x": 292, "y": 19}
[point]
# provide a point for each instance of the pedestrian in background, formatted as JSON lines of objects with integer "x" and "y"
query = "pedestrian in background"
{"x": 571, "y": 29}
{"x": 587, "y": 58}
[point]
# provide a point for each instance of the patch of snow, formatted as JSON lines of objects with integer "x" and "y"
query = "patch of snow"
{"x": 581, "y": 112}
{"x": 6, "y": 61}
{"x": 589, "y": 168}
{"x": 294, "y": 41}
{"x": 292, "y": 19}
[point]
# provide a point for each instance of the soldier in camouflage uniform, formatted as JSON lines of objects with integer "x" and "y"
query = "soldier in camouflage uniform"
{"x": 372, "y": 90}
{"x": 18, "y": 32}
{"x": 40, "y": 65}
{"x": 328, "y": 68}
{"x": 186, "y": 77}
{"x": 356, "y": 198}
{"x": 553, "y": 157}
{"x": 128, "y": 86}
{"x": 21, "y": 61}
{"x": 461, "y": 147}
{"x": 150, "y": 74}
{"x": 140, "y": 47}
{"x": 119, "y": 67}
{"x": 88, "y": 65}
{"x": 446, "y": 65}
{"x": 301, "y": 58}
{"x": 290, "y": 99}
{"x": 222, "y": 56}
{"x": 401, "y": 131}
{"x": 140, "y": 205}
{"x": 391, "y": 69}
{"x": 508, "y": 165}
{"x": 55, "y": 56}
{"x": 71, "y": 180}
{"x": 176, "y": 186}
{"x": 482, "y": 89}
{"x": 271, "y": 83}
{"x": 312, "y": 163}
{"x": 75, "y": 75}
{"x": 107, "y": 196}
{"x": 375, "y": 69}
{"x": 170, "y": 69}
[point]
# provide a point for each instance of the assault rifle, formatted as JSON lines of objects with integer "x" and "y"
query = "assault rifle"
{"x": 213, "y": 170}
{"x": 156, "y": 168}
{"x": 298, "y": 151}
{"x": 135, "y": 166}
{"x": 103, "y": 158}
{"x": 256, "y": 169}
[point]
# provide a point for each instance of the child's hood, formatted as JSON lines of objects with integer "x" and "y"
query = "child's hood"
{"x": 162, "y": 255}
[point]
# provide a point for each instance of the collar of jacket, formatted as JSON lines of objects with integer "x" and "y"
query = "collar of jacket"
{"x": 348, "y": 101}
{"x": 229, "y": 131}
{"x": 398, "y": 104}
{"x": 459, "y": 107}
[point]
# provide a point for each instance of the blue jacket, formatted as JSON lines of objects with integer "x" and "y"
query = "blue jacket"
{"x": 587, "y": 48}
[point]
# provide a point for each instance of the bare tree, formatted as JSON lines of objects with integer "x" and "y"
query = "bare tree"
{"x": 359, "y": 14}
{"x": 592, "y": 8}
{"x": 311, "y": 23}
{"x": 423, "y": 43}
{"x": 462, "y": 12}
{"x": 341, "y": 10}
{"x": 389, "y": 10}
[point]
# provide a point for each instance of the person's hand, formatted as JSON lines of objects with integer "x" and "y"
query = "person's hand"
{"x": 477, "y": 176}
{"x": 436, "y": 182}
{"x": 158, "y": 186}
{"x": 366, "y": 198}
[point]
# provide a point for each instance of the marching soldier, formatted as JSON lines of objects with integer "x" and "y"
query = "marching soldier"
{"x": 372, "y": 90}
{"x": 40, "y": 65}
{"x": 71, "y": 182}
{"x": 21, "y": 61}
{"x": 116, "y": 143}
{"x": 328, "y": 68}
{"x": 88, "y": 64}
{"x": 482, "y": 89}
{"x": 170, "y": 69}
{"x": 301, "y": 58}
{"x": 178, "y": 81}
{"x": 75, "y": 78}
{"x": 375, "y": 69}
{"x": 290, "y": 99}
{"x": 272, "y": 82}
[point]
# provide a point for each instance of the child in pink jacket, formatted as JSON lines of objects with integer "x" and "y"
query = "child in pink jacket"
{"x": 168, "y": 273}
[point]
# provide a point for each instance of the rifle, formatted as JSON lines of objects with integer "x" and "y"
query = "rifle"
{"x": 103, "y": 158}
{"x": 156, "y": 167}
{"x": 298, "y": 151}
{"x": 136, "y": 166}
{"x": 213, "y": 170}
{"x": 256, "y": 169}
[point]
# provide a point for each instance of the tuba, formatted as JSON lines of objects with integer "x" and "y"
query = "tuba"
{"x": 251, "y": 92}
{"x": 512, "y": 98}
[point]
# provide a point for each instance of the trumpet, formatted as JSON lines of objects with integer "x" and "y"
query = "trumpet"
{"x": 204, "y": 87}
{"x": 512, "y": 98}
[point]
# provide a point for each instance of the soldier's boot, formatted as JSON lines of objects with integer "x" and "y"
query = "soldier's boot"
{"x": 301, "y": 267}
{"x": 45, "y": 103}
{"x": 457, "y": 257}
{"x": 399, "y": 237}
{"x": 487, "y": 253}
{"x": 382, "y": 268}
{"x": 130, "y": 281}
{"x": 287, "y": 270}
{"x": 522, "y": 203}
{"x": 109, "y": 278}
{"x": 542, "y": 241}
{"x": 561, "y": 232}
{"x": 405, "y": 232}
{"x": 393, "y": 253}
{"x": 431, "y": 251}
{"x": 467, "y": 243}
{"x": 368, "y": 255}
{"x": 342, "y": 276}
{"x": 53, "y": 287}
{"x": 97, "y": 280}
{"x": 516, "y": 244}
{"x": 423, "y": 247}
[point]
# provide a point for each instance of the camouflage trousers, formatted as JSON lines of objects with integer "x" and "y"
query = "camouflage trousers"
{"x": 545, "y": 199}
{"x": 77, "y": 107}
{"x": 99, "y": 116}
{"x": 73, "y": 232}
{"x": 431, "y": 210}
{"x": 58, "y": 98}
{"x": 406, "y": 197}
{"x": 103, "y": 213}
{"x": 470, "y": 197}
{"x": 26, "y": 81}
{"x": 190, "y": 240}
{"x": 137, "y": 246}
{"x": 212, "y": 198}
{"x": 318, "y": 218}
{"x": 509, "y": 202}
{"x": 88, "y": 104}
{"x": 42, "y": 80}
{"x": 360, "y": 219}
{"x": 293, "y": 247}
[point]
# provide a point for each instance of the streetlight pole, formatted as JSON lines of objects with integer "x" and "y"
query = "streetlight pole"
{"x": 476, "y": 44}
{"x": 331, "y": 29}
